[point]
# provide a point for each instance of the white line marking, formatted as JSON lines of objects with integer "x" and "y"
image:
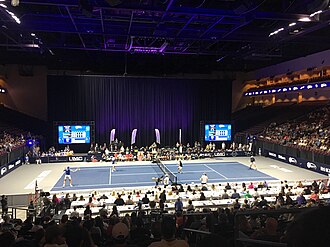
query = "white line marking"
{"x": 147, "y": 183}
{"x": 216, "y": 171}
{"x": 285, "y": 170}
{"x": 110, "y": 172}
{"x": 280, "y": 168}
{"x": 40, "y": 177}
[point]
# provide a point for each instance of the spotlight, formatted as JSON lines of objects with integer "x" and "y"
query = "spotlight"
{"x": 14, "y": 3}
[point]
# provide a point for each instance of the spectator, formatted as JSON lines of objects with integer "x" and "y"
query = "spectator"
{"x": 54, "y": 237}
{"x": 235, "y": 195}
{"x": 178, "y": 205}
{"x": 4, "y": 205}
{"x": 224, "y": 194}
{"x": 168, "y": 231}
{"x": 145, "y": 199}
{"x": 129, "y": 201}
{"x": 269, "y": 232}
{"x": 190, "y": 207}
{"x": 301, "y": 200}
{"x": 202, "y": 197}
{"x": 120, "y": 233}
{"x": 119, "y": 201}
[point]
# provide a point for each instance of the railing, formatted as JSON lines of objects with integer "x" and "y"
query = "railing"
{"x": 255, "y": 243}
{"x": 16, "y": 153}
{"x": 16, "y": 212}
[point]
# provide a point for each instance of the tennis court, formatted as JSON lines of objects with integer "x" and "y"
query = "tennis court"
{"x": 128, "y": 176}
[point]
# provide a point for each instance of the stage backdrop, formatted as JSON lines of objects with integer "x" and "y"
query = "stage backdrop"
{"x": 126, "y": 103}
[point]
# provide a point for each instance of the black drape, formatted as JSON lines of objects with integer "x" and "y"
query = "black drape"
{"x": 126, "y": 103}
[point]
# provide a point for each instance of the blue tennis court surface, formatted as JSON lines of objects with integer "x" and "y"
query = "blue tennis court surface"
{"x": 141, "y": 175}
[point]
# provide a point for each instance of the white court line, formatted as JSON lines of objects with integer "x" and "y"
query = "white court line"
{"x": 216, "y": 171}
{"x": 40, "y": 177}
{"x": 221, "y": 179}
{"x": 110, "y": 172}
{"x": 147, "y": 183}
{"x": 92, "y": 185}
{"x": 134, "y": 174}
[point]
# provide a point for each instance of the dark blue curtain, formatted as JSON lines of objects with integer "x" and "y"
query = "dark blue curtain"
{"x": 126, "y": 103}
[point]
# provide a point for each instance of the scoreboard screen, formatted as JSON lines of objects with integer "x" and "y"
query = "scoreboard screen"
{"x": 217, "y": 132}
{"x": 73, "y": 134}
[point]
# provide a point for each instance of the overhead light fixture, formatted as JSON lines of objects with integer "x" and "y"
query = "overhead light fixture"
{"x": 18, "y": 21}
{"x": 305, "y": 19}
{"x": 219, "y": 59}
{"x": 14, "y": 3}
{"x": 276, "y": 32}
{"x": 315, "y": 13}
{"x": 3, "y": 6}
{"x": 292, "y": 24}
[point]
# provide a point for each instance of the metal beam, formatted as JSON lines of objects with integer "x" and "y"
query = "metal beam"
{"x": 74, "y": 24}
{"x": 185, "y": 25}
{"x": 190, "y": 11}
{"x": 129, "y": 30}
{"x": 103, "y": 30}
{"x": 212, "y": 26}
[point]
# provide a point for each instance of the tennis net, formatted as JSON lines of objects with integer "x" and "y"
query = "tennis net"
{"x": 161, "y": 167}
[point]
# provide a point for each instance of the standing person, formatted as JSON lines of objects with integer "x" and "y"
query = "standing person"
{"x": 180, "y": 166}
{"x": 166, "y": 181}
{"x": 178, "y": 205}
{"x": 4, "y": 205}
{"x": 204, "y": 178}
{"x": 253, "y": 163}
{"x": 67, "y": 172}
{"x": 113, "y": 160}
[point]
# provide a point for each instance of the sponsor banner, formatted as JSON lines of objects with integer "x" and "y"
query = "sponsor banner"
{"x": 306, "y": 164}
{"x": 228, "y": 153}
{"x": 7, "y": 168}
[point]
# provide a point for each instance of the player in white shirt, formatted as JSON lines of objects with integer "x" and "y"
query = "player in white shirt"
{"x": 253, "y": 163}
{"x": 204, "y": 178}
{"x": 166, "y": 181}
{"x": 113, "y": 160}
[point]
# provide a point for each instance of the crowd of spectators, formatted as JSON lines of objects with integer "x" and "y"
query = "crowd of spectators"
{"x": 310, "y": 133}
{"x": 119, "y": 152}
{"x": 160, "y": 227}
{"x": 10, "y": 140}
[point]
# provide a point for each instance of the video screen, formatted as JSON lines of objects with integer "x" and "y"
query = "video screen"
{"x": 74, "y": 134}
{"x": 217, "y": 132}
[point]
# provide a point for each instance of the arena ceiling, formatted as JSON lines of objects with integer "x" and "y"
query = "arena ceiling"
{"x": 161, "y": 37}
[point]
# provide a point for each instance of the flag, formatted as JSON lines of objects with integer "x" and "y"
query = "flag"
{"x": 133, "y": 136}
{"x": 157, "y": 136}
{"x": 112, "y": 135}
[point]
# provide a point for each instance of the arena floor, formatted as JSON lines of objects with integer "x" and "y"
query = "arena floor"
{"x": 98, "y": 175}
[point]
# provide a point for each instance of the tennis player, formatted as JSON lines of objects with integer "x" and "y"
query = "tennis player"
{"x": 253, "y": 163}
{"x": 113, "y": 159}
{"x": 166, "y": 181}
{"x": 67, "y": 172}
{"x": 204, "y": 178}
{"x": 180, "y": 166}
